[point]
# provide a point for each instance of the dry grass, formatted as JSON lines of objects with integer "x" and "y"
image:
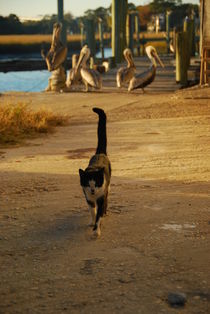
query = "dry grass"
{"x": 29, "y": 40}
{"x": 32, "y": 39}
{"x": 18, "y": 122}
{"x": 36, "y": 39}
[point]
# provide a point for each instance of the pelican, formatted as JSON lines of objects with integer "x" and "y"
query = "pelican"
{"x": 58, "y": 52}
{"x": 74, "y": 76}
{"x": 90, "y": 77}
{"x": 143, "y": 79}
{"x": 124, "y": 75}
{"x": 101, "y": 68}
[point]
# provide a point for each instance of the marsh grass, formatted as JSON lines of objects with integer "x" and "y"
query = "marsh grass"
{"x": 32, "y": 39}
{"x": 18, "y": 123}
{"x": 40, "y": 38}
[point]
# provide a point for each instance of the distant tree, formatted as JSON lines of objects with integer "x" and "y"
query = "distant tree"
{"x": 100, "y": 12}
{"x": 161, "y": 6}
{"x": 132, "y": 7}
{"x": 145, "y": 14}
{"x": 10, "y": 25}
{"x": 181, "y": 11}
{"x": 178, "y": 11}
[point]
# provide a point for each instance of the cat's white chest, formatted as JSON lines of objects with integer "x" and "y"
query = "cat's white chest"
{"x": 98, "y": 192}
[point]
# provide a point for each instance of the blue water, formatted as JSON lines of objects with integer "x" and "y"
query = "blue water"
{"x": 31, "y": 81}
{"x": 24, "y": 81}
{"x": 107, "y": 53}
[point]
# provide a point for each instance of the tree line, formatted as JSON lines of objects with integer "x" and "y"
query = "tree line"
{"x": 12, "y": 25}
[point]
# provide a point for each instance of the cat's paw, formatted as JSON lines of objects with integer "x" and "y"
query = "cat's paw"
{"x": 97, "y": 233}
{"x": 91, "y": 224}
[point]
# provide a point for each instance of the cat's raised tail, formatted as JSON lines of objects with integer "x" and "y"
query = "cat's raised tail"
{"x": 102, "y": 138}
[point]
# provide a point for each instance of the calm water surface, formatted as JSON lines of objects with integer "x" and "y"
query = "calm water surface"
{"x": 24, "y": 81}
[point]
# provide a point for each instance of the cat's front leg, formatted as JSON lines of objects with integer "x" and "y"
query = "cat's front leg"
{"x": 99, "y": 215}
{"x": 92, "y": 209}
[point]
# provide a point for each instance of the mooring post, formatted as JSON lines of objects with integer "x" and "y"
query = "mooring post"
{"x": 168, "y": 13}
{"x": 90, "y": 35}
{"x": 61, "y": 20}
{"x": 101, "y": 38}
{"x": 123, "y": 12}
{"x": 116, "y": 30}
{"x": 181, "y": 58}
{"x": 137, "y": 31}
{"x": 193, "y": 34}
{"x": 119, "y": 11}
{"x": 188, "y": 28}
{"x": 81, "y": 34}
{"x": 130, "y": 30}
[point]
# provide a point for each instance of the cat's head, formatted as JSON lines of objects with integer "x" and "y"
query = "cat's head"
{"x": 92, "y": 181}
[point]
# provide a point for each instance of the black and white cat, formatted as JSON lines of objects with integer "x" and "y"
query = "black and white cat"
{"x": 95, "y": 179}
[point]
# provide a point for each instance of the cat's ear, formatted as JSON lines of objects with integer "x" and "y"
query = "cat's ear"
{"x": 82, "y": 177}
{"x": 81, "y": 173}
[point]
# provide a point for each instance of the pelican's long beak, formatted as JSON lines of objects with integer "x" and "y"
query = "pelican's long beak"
{"x": 158, "y": 60}
{"x": 81, "y": 58}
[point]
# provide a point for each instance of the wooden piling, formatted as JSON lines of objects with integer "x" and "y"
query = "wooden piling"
{"x": 61, "y": 20}
{"x": 181, "y": 58}
{"x": 188, "y": 28}
{"x": 137, "y": 31}
{"x": 130, "y": 27}
{"x": 101, "y": 39}
{"x": 123, "y": 14}
{"x": 90, "y": 35}
{"x": 82, "y": 34}
{"x": 115, "y": 31}
{"x": 119, "y": 11}
{"x": 168, "y": 13}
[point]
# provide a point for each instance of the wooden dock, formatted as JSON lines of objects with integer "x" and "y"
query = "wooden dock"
{"x": 165, "y": 80}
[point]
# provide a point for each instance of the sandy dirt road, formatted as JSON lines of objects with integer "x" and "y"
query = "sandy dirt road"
{"x": 156, "y": 237}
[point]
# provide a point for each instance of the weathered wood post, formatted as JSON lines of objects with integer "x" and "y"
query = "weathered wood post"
{"x": 81, "y": 34}
{"x": 61, "y": 20}
{"x": 168, "y": 13}
{"x": 119, "y": 11}
{"x": 130, "y": 26}
{"x": 137, "y": 31}
{"x": 115, "y": 31}
{"x": 188, "y": 28}
{"x": 193, "y": 34}
{"x": 101, "y": 39}
{"x": 181, "y": 58}
{"x": 90, "y": 35}
{"x": 123, "y": 10}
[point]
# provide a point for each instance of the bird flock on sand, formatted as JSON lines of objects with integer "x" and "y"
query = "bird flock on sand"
{"x": 90, "y": 76}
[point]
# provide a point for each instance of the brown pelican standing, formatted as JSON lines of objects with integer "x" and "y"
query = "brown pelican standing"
{"x": 143, "y": 79}
{"x": 90, "y": 77}
{"x": 74, "y": 76}
{"x": 58, "y": 52}
{"x": 101, "y": 68}
{"x": 124, "y": 75}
